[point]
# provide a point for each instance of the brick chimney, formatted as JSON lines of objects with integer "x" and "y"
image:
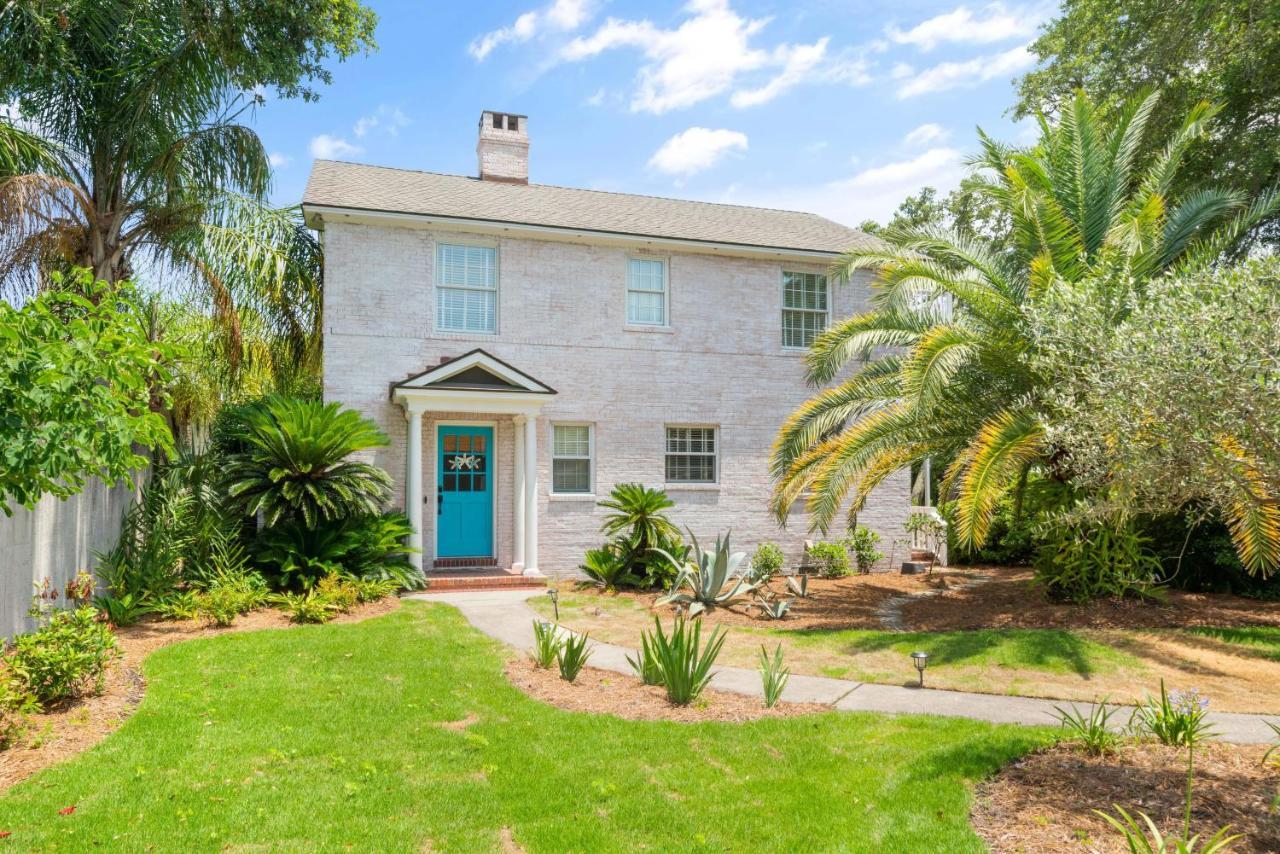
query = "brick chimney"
{"x": 503, "y": 147}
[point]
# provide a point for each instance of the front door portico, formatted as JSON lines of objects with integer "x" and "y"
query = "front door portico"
{"x": 464, "y": 491}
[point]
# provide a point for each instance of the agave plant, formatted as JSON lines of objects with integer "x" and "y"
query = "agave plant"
{"x": 775, "y": 609}
{"x": 799, "y": 585}
{"x": 712, "y": 578}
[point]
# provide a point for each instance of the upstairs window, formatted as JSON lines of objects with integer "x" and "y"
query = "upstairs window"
{"x": 804, "y": 308}
{"x": 466, "y": 288}
{"x": 571, "y": 458}
{"x": 691, "y": 455}
{"x": 647, "y": 292}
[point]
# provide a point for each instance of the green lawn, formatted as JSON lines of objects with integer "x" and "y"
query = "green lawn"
{"x": 1263, "y": 640}
{"x": 330, "y": 738}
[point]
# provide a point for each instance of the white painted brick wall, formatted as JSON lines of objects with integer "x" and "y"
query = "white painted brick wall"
{"x": 562, "y": 320}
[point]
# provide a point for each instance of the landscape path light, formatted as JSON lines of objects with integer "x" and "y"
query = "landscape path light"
{"x": 921, "y": 661}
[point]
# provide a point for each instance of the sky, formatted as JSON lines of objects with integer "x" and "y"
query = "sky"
{"x": 840, "y": 108}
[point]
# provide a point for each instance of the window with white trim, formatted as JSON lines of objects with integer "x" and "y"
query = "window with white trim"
{"x": 804, "y": 308}
{"x": 647, "y": 291}
{"x": 571, "y": 452}
{"x": 466, "y": 288}
{"x": 691, "y": 455}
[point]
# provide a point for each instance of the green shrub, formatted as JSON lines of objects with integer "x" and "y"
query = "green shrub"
{"x": 378, "y": 549}
{"x": 831, "y": 559}
{"x": 684, "y": 662}
{"x": 339, "y": 591}
{"x": 773, "y": 676}
{"x": 646, "y": 663}
{"x": 642, "y": 533}
{"x": 766, "y": 563}
{"x": 373, "y": 590}
{"x": 1178, "y": 718}
{"x": 306, "y": 607}
{"x": 295, "y": 556}
{"x": 572, "y": 656}
{"x": 1092, "y": 731}
{"x": 124, "y": 610}
{"x": 607, "y": 568}
{"x": 546, "y": 644}
{"x": 179, "y": 605}
{"x": 861, "y": 543}
{"x": 67, "y": 657}
{"x": 16, "y": 705}
{"x": 1082, "y": 561}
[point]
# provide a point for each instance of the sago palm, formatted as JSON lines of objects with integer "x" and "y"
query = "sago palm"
{"x": 294, "y": 462}
{"x": 942, "y": 357}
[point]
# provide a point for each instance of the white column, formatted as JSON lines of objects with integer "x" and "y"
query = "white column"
{"x": 517, "y": 564}
{"x": 531, "y": 497}
{"x": 413, "y": 485}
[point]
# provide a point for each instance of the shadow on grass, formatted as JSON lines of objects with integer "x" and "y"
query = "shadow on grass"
{"x": 1262, "y": 642}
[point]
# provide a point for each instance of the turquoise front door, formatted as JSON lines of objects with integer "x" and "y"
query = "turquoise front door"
{"x": 464, "y": 492}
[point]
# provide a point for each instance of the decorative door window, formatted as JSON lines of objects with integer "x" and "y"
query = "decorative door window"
{"x": 465, "y": 462}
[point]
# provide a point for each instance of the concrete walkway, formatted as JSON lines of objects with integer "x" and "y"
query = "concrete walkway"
{"x": 506, "y": 616}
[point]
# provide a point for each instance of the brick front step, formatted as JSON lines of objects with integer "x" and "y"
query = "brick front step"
{"x": 481, "y": 581}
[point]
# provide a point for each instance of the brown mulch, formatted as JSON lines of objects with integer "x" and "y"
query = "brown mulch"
{"x": 1044, "y": 801}
{"x": 79, "y": 724}
{"x": 834, "y": 603}
{"x": 609, "y": 693}
{"x": 1013, "y": 599}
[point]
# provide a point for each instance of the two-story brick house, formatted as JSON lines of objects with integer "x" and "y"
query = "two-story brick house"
{"x": 527, "y": 347}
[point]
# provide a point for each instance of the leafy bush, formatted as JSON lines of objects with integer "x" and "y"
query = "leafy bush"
{"x": 1093, "y": 730}
{"x": 1011, "y": 541}
{"x": 378, "y": 549}
{"x": 122, "y": 611}
{"x": 1200, "y": 555}
{"x": 712, "y": 579}
{"x": 306, "y": 607}
{"x": 180, "y": 605}
{"x": 293, "y": 463}
{"x": 831, "y": 559}
{"x": 773, "y": 676}
{"x": 684, "y": 662}
{"x": 16, "y": 705}
{"x": 296, "y": 556}
{"x": 372, "y": 589}
{"x": 572, "y": 656}
{"x": 644, "y": 537}
{"x": 861, "y": 543}
{"x": 1085, "y": 560}
{"x": 546, "y": 644}
{"x": 338, "y": 590}
{"x": 607, "y": 568}
{"x": 67, "y": 657}
{"x": 231, "y": 596}
{"x": 766, "y": 563}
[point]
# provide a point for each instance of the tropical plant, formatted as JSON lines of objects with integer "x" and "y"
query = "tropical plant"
{"x": 861, "y": 543}
{"x": 74, "y": 368}
{"x": 339, "y": 590}
{"x": 16, "y": 707}
{"x": 375, "y": 589}
{"x": 773, "y": 675}
{"x": 947, "y": 345}
{"x": 712, "y": 578}
{"x": 572, "y": 656}
{"x": 646, "y": 664}
{"x": 774, "y": 609}
{"x": 378, "y": 549}
{"x": 1093, "y": 730}
{"x": 126, "y": 151}
{"x": 66, "y": 657}
{"x": 124, "y": 610}
{"x": 306, "y": 607}
{"x": 295, "y": 464}
{"x": 766, "y": 563}
{"x": 547, "y": 642}
{"x": 179, "y": 605}
{"x": 296, "y": 556}
{"x": 831, "y": 559}
{"x": 607, "y": 568}
{"x": 644, "y": 534}
{"x": 1176, "y": 718}
{"x": 798, "y": 585}
{"x": 230, "y": 596}
{"x": 1149, "y": 839}
{"x": 685, "y": 664}
{"x": 1094, "y": 558}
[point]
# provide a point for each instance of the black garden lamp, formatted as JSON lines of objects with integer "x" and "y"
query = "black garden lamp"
{"x": 554, "y": 595}
{"x": 921, "y": 661}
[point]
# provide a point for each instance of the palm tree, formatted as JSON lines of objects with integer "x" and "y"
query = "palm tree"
{"x": 127, "y": 154}
{"x": 293, "y": 463}
{"x": 943, "y": 358}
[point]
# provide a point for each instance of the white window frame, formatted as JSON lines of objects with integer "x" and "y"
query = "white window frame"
{"x": 666, "y": 293}
{"x": 441, "y": 286}
{"x": 715, "y": 454}
{"x": 782, "y": 301}
{"x": 590, "y": 458}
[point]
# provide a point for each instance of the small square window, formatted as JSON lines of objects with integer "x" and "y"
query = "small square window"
{"x": 572, "y": 447}
{"x": 691, "y": 455}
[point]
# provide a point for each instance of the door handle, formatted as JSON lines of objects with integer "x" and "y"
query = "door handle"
{"x": 439, "y": 500}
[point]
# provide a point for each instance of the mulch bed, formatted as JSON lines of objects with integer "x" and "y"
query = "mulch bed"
{"x": 1044, "y": 801}
{"x": 835, "y": 603}
{"x": 1013, "y": 599}
{"x": 79, "y": 724}
{"x": 609, "y": 693}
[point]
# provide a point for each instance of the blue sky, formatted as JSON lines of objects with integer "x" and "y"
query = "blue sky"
{"x": 841, "y": 108}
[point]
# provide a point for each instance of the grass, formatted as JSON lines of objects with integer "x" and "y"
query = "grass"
{"x": 1260, "y": 639}
{"x": 401, "y": 734}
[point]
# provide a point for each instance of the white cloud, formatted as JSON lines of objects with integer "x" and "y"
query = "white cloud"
{"x": 961, "y": 25}
{"x": 596, "y": 98}
{"x": 873, "y": 193}
{"x": 707, "y": 55}
{"x": 952, "y": 75}
{"x": 926, "y": 134}
{"x": 278, "y": 160}
{"x": 390, "y": 119}
{"x": 561, "y": 15}
{"x": 696, "y": 149}
{"x": 326, "y": 147}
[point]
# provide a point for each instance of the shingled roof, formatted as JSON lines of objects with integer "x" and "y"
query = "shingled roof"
{"x": 377, "y": 188}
